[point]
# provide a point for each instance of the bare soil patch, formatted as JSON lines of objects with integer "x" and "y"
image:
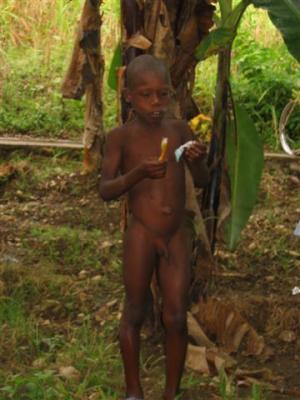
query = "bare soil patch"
{"x": 43, "y": 199}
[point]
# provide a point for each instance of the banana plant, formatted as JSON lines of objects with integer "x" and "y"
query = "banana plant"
{"x": 235, "y": 143}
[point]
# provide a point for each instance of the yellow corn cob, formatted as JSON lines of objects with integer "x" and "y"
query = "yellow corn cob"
{"x": 164, "y": 148}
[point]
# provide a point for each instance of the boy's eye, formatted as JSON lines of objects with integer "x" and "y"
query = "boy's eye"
{"x": 145, "y": 94}
{"x": 164, "y": 93}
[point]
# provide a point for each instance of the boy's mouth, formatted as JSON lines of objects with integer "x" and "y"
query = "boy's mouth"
{"x": 157, "y": 114}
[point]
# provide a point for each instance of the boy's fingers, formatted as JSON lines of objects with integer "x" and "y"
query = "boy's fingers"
{"x": 195, "y": 152}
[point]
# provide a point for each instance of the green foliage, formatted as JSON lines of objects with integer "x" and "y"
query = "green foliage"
{"x": 224, "y": 35}
{"x": 245, "y": 161}
{"x": 261, "y": 85}
{"x": 37, "y": 386}
{"x": 64, "y": 246}
{"x": 115, "y": 64}
{"x": 31, "y": 102}
{"x": 285, "y": 14}
{"x": 256, "y": 392}
{"x": 216, "y": 41}
{"x": 265, "y": 87}
{"x": 226, "y": 389}
{"x": 35, "y": 49}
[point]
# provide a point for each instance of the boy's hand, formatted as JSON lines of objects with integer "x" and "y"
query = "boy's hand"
{"x": 196, "y": 151}
{"x": 153, "y": 168}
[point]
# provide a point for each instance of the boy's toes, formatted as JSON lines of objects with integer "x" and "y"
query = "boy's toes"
{"x": 132, "y": 398}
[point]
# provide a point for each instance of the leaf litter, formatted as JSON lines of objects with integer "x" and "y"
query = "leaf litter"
{"x": 248, "y": 326}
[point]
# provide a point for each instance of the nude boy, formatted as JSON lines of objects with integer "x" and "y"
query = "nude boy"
{"x": 156, "y": 239}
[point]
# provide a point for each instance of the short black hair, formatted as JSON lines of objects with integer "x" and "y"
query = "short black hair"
{"x": 142, "y": 64}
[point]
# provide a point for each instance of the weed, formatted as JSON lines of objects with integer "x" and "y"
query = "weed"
{"x": 256, "y": 392}
{"x": 63, "y": 246}
{"x": 262, "y": 86}
{"x": 38, "y": 386}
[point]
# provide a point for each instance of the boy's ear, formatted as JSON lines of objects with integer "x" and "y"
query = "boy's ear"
{"x": 127, "y": 95}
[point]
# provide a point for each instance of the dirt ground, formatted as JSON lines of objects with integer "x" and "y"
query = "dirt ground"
{"x": 258, "y": 278}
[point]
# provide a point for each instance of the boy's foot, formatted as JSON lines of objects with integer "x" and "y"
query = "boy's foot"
{"x": 132, "y": 398}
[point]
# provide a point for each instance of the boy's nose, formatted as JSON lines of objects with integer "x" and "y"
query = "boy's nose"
{"x": 155, "y": 99}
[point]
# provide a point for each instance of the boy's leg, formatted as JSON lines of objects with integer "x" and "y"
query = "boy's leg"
{"x": 138, "y": 264}
{"x": 174, "y": 279}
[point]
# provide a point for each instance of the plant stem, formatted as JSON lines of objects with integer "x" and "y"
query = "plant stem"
{"x": 211, "y": 196}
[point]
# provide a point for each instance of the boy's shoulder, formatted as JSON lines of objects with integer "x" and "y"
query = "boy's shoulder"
{"x": 181, "y": 127}
{"x": 117, "y": 134}
{"x": 178, "y": 124}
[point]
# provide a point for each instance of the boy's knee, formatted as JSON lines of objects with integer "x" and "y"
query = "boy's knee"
{"x": 135, "y": 313}
{"x": 175, "y": 321}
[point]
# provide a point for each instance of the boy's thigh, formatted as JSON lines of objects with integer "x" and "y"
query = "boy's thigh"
{"x": 175, "y": 272}
{"x": 139, "y": 258}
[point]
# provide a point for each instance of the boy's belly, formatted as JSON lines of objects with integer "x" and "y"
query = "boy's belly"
{"x": 158, "y": 205}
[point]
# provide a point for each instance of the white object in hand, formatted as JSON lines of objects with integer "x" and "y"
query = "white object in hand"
{"x": 297, "y": 230}
{"x": 179, "y": 151}
{"x": 296, "y": 290}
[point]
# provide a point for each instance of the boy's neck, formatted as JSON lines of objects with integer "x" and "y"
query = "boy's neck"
{"x": 147, "y": 126}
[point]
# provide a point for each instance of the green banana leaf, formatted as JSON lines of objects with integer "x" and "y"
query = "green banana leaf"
{"x": 115, "y": 64}
{"x": 245, "y": 159}
{"x": 234, "y": 17}
{"x": 214, "y": 42}
{"x": 225, "y": 8}
{"x": 285, "y": 15}
{"x": 218, "y": 39}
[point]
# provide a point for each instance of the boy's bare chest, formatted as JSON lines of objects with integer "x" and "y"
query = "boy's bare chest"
{"x": 141, "y": 147}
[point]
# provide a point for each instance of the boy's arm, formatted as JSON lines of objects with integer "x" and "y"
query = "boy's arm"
{"x": 196, "y": 158}
{"x": 113, "y": 185}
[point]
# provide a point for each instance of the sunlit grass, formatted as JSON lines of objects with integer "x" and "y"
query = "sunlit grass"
{"x": 36, "y": 43}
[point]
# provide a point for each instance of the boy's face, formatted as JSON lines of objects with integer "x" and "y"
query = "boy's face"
{"x": 150, "y": 97}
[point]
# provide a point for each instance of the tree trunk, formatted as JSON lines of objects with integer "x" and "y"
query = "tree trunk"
{"x": 171, "y": 30}
{"x": 211, "y": 196}
{"x": 85, "y": 76}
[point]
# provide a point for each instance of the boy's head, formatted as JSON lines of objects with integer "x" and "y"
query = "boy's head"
{"x": 148, "y": 88}
{"x": 142, "y": 65}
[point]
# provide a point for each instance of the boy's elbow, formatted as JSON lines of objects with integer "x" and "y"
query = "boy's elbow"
{"x": 104, "y": 193}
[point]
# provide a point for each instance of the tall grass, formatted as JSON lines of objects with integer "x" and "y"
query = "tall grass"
{"x": 36, "y": 40}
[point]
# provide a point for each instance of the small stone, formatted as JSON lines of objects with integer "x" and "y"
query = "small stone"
{"x": 294, "y": 180}
{"x": 252, "y": 246}
{"x": 69, "y": 373}
{"x": 94, "y": 396}
{"x": 83, "y": 274}
{"x": 39, "y": 363}
{"x": 20, "y": 194}
{"x": 96, "y": 279}
{"x": 270, "y": 278}
{"x": 288, "y": 336}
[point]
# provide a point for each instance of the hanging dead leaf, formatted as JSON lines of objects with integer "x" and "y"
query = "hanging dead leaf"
{"x": 158, "y": 30}
{"x": 139, "y": 41}
{"x": 85, "y": 76}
